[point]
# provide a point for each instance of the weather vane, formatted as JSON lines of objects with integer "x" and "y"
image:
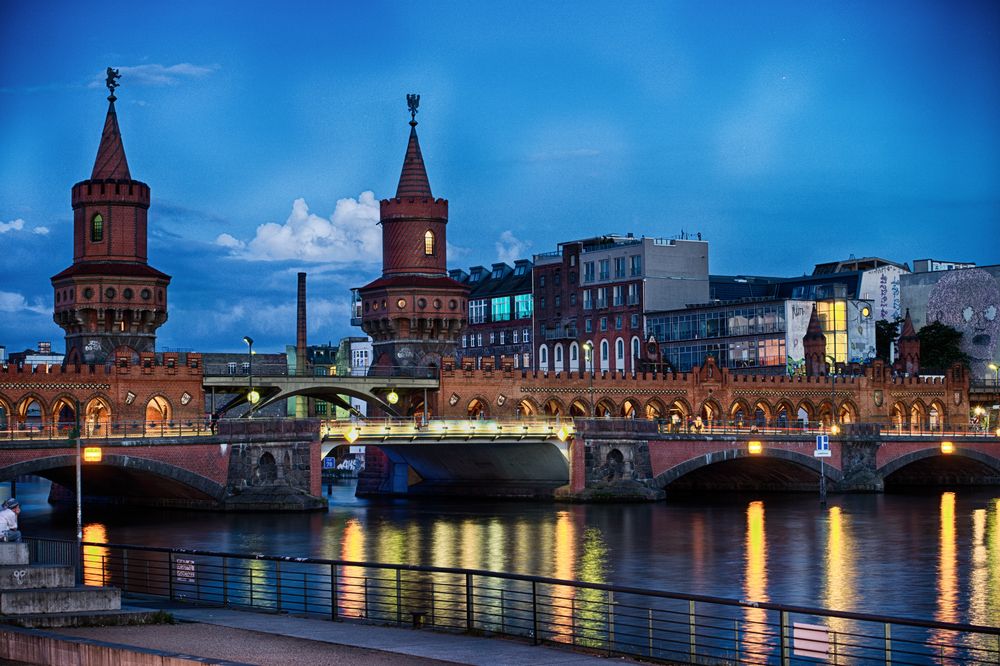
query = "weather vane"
{"x": 112, "y": 83}
{"x": 413, "y": 101}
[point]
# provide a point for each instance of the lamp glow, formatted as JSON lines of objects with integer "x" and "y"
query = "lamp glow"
{"x": 947, "y": 447}
{"x": 834, "y": 429}
{"x": 253, "y": 397}
{"x": 351, "y": 435}
{"x": 563, "y": 434}
{"x": 392, "y": 397}
{"x": 755, "y": 447}
{"x": 92, "y": 454}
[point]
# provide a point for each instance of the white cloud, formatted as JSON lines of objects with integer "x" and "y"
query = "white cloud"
{"x": 349, "y": 236}
{"x": 41, "y": 231}
{"x": 157, "y": 75}
{"x": 510, "y": 248}
{"x": 14, "y": 225}
{"x": 14, "y": 302}
{"x": 276, "y": 319}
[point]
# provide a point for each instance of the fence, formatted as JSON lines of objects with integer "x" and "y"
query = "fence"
{"x": 608, "y": 619}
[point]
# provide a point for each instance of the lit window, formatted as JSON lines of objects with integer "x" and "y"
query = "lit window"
{"x": 97, "y": 228}
{"x": 429, "y": 243}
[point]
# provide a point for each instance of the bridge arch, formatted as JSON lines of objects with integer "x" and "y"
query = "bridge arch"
{"x": 31, "y": 411}
{"x": 896, "y": 464}
{"x": 784, "y": 414}
{"x": 183, "y": 483}
{"x": 478, "y": 408}
{"x": 654, "y": 409}
{"x": 579, "y": 407}
{"x": 630, "y": 408}
{"x": 62, "y": 410}
{"x": 668, "y": 476}
{"x": 937, "y": 416}
{"x": 918, "y": 414}
{"x": 762, "y": 413}
{"x": 740, "y": 412}
{"x": 553, "y": 407}
{"x": 899, "y": 414}
{"x": 527, "y": 408}
{"x": 159, "y": 409}
{"x": 847, "y": 411}
{"x": 806, "y": 410}
{"x": 6, "y": 414}
{"x": 711, "y": 411}
{"x": 605, "y": 407}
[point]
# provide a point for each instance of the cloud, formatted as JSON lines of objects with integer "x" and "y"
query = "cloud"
{"x": 41, "y": 231}
{"x": 157, "y": 75}
{"x": 510, "y": 248}
{"x": 14, "y": 225}
{"x": 16, "y": 303}
{"x": 349, "y": 236}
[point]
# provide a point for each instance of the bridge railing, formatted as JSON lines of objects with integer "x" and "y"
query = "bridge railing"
{"x": 415, "y": 427}
{"x": 390, "y": 372}
{"x": 596, "y": 617}
{"x": 106, "y": 431}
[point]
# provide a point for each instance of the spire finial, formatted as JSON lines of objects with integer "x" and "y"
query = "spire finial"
{"x": 413, "y": 101}
{"x": 112, "y": 83}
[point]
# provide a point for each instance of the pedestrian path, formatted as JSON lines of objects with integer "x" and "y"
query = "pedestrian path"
{"x": 456, "y": 648}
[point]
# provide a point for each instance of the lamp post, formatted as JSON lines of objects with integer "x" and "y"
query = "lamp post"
{"x": 588, "y": 348}
{"x": 247, "y": 339}
{"x": 79, "y": 500}
{"x": 833, "y": 396}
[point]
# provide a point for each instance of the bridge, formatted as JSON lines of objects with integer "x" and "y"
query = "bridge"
{"x": 379, "y": 387}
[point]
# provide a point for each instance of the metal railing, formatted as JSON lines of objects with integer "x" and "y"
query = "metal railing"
{"x": 595, "y": 617}
{"x": 104, "y": 430}
{"x": 392, "y": 372}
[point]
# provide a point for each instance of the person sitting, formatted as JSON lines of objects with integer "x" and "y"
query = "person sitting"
{"x": 8, "y": 521}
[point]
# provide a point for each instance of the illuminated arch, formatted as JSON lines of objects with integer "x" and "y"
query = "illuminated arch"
{"x": 478, "y": 408}
{"x": 528, "y": 407}
{"x": 159, "y": 411}
{"x": 655, "y": 409}
{"x": 784, "y": 414}
{"x": 937, "y": 416}
{"x": 740, "y": 412}
{"x": 847, "y": 412}
{"x": 805, "y": 411}
{"x": 63, "y": 412}
{"x": 711, "y": 411}
{"x": 900, "y": 412}
{"x": 6, "y": 414}
{"x": 605, "y": 407}
{"x": 31, "y": 411}
{"x": 918, "y": 415}
{"x": 579, "y": 408}
{"x": 630, "y": 408}
{"x": 553, "y": 407}
{"x": 429, "y": 243}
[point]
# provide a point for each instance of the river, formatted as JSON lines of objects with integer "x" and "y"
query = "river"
{"x": 934, "y": 555}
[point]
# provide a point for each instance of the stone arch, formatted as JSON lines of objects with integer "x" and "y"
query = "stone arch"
{"x": 655, "y": 409}
{"x": 918, "y": 415}
{"x": 900, "y": 414}
{"x": 937, "y": 415}
{"x": 825, "y": 413}
{"x": 761, "y": 414}
{"x": 847, "y": 412}
{"x": 158, "y": 410}
{"x": 266, "y": 469}
{"x": 805, "y": 409}
{"x": 614, "y": 466}
{"x": 579, "y": 408}
{"x": 896, "y": 464}
{"x": 605, "y": 407}
{"x": 96, "y": 415}
{"x": 38, "y": 466}
{"x": 527, "y": 408}
{"x": 681, "y": 408}
{"x": 630, "y": 408}
{"x": 31, "y": 412}
{"x": 670, "y": 475}
{"x": 63, "y": 411}
{"x": 553, "y": 407}
{"x": 740, "y": 412}
{"x": 784, "y": 414}
{"x": 6, "y": 414}
{"x": 711, "y": 411}
{"x": 478, "y": 408}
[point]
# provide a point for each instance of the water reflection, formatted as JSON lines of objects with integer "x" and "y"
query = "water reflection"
{"x": 840, "y": 592}
{"x": 95, "y": 570}
{"x": 352, "y": 584}
{"x": 755, "y": 577}
{"x": 564, "y": 601}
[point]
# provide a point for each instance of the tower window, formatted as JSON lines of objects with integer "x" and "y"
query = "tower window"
{"x": 97, "y": 228}
{"x": 429, "y": 243}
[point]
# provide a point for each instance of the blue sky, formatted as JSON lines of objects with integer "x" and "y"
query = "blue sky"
{"x": 787, "y": 133}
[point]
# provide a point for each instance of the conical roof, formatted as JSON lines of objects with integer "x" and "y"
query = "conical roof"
{"x": 111, "y": 162}
{"x": 814, "y": 330}
{"x": 413, "y": 180}
{"x": 908, "y": 330}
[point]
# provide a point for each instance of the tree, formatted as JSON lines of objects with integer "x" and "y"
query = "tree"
{"x": 940, "y": 347}
{"x": 886, "y": 333}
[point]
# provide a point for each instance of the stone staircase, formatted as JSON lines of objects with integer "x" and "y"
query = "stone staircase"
{"x": 45, "y": 595}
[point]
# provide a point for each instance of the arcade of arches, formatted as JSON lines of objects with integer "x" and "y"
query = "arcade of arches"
{"x": 32, "y": 412}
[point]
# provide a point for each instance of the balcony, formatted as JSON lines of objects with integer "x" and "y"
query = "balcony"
{"x": 562, "y": 333}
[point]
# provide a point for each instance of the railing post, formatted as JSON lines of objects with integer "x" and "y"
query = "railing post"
{"x": 469, "y": 620}
{"x": 534, "y": 612}
{"x": 399, "y": 596}
{"x": 225, "y": 583}
{"x": 692, "y": 636}
{"x": 433, "y": 619}
{"x": 888, "y": 644}
{"x": 125, "y": 570}
{"x": 611, "y": 621}
{"x": 503, "y": 618}
{"x": 170, "y": 575}
{"x": 650, "y": 632}
{"x": 736, "y": 636}
{"x": 366, "y": 598}
{"x": 277, "y": 576}
{"x": 334, "y": 610}
{"x": 786, "y": 648}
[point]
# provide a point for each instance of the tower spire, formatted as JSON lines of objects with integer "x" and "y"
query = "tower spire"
{"x": 111, "y": 163}
{"x": 413, "y": 179}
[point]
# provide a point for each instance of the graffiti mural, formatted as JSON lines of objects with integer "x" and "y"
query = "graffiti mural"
{"x": 967, "y": 301}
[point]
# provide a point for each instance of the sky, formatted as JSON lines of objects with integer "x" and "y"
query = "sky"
{"x": 786, "y": 133}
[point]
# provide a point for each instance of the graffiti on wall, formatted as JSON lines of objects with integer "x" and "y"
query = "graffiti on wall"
{"x": 967, "y": 301}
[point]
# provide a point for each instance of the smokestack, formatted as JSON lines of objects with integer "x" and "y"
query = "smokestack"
{"x": 300, "y": 332}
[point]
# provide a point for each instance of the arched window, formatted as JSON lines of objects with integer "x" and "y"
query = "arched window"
{"x": 429, "y": 242}
{"x": 635, "y": 347}
{"x": 620, "y": 349}
{"x": 574, "y": 353}
{"x": 558, "y": 353}
{"x": 97, "y": 228}
{"x": 604, "y": 350}
{"x": 543, "y": 357}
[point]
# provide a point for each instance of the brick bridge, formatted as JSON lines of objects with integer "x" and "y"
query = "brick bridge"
{"x": 247, "y": 465}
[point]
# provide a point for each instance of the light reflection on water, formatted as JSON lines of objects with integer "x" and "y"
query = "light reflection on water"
{"x": 932, "y": 555}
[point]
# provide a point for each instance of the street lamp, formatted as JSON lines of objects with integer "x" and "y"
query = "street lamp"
{"x": 833, "y": 396}
{"x": 250, "y": 395}
{"x": 588, "y": 348}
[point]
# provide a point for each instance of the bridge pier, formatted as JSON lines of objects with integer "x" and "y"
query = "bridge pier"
{"x": 858, "y": 459}
{"x": 609, "y": 463}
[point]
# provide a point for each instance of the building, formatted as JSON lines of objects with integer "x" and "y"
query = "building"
{"x": 414, "y": 312}
{"x": 591, "y": 296}
{"x": 500, "y": 309}
{"x": 42, "y": 357}
{"x": 110, "y": 301}
{"x": 932, "y": 265}
{"x": 967, "y": 299}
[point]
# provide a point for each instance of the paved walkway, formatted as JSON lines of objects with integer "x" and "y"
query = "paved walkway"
{"x": 265, "y": 639}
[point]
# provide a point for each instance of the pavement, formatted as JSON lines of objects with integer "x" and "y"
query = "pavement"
{"x": 246, "y": 637}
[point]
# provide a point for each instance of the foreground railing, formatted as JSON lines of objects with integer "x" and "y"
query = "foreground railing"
{"x": 609, "y": 619}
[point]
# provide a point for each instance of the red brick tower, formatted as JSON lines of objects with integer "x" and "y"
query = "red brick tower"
{"x": 414, "y": 312}
{"x": 110, "y": 298}
{"x": 814, "y": 346}
{"x": 909, "y": 348}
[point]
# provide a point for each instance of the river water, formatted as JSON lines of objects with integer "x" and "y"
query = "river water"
{"x": 934, "y": 555}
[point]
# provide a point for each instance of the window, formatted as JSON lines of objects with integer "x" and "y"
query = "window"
{"x": 502, "y": 336}
{"x": 618, "y": 323}
{"x": 477, "y": 311}
{"x": 636, "y": 264}
{"x": 543, "y": 355}
{"x": 231, "y": 367}
{"x": 619, "y": 267}
{"x": 479, "y": 339}
{"x": 541, "y": 280}
{"x": 572, "y": 298}
{"x": 522, "y": 306}
{"x": 602, "y": 297}
{"x": 604, "y": 323}
{"x": 557, "y": 279}
{"x": 605, "y": 271}
{"x": 526, "y": 338}
{"x": 557, "y": 301}
{"x": 521, "y": 269}
{"x": 463, "y": 342}
{"x": 604, "y": 350}
{"x": 588, "y": 271}
{"x": 97, "y": 228}
{"x": 588, "y": 325}
{"x": 541, "y": 303}
{"x": 429, "y": 242}
{"x": 558, "y": 354}
{"x": 517, "y": 336}
{"x": 633, "y": 294}
{"x": 572, "y": 277}
{"x": 588, "y": 300}
{"x": 573, "y": 353}
{"x": 619, "y": 295}
{"x": 493, "y": 337}
{"x": 635, "y": 348}
{"x": 501, "y": 308}
{"x": 572, "y": 260}
{"x": 620, "y": 349}
{"x": 634, "y": 323}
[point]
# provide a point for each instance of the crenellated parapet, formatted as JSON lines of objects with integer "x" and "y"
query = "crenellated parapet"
{"x": 110, "y": 191}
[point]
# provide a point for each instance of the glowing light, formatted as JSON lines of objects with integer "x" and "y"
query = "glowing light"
{"x": 563, "y": 434}
{"x": 392, "y": 397}
{"x": 351, "y": 435}
{"x": 92, "y": 454}
{"x": 834, "y": 429}
{"x": 253, "y": 397}
{"x": 947, "y": 447}
{"x": 755, "y": 447}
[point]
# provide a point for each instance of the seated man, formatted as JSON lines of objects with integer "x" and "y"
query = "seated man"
{"x": 8, "y": 521}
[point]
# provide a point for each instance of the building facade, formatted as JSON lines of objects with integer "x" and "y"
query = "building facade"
{"x": 500, "y": 313}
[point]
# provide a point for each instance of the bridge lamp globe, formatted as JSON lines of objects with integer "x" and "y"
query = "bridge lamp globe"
{"x": 392, "y": 397}
{"x": 947, "y": 448}
{"x": 351, "y": 435}
{"x": 755, "y": 447}
{"x": 253, "y": 397}
{"x": 92, "y": 454}
{"x": 563, "y": 434}
{"x": 834, "y": 429}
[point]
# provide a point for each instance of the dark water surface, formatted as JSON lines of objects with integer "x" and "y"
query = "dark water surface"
{"x": 934, "y": 555}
